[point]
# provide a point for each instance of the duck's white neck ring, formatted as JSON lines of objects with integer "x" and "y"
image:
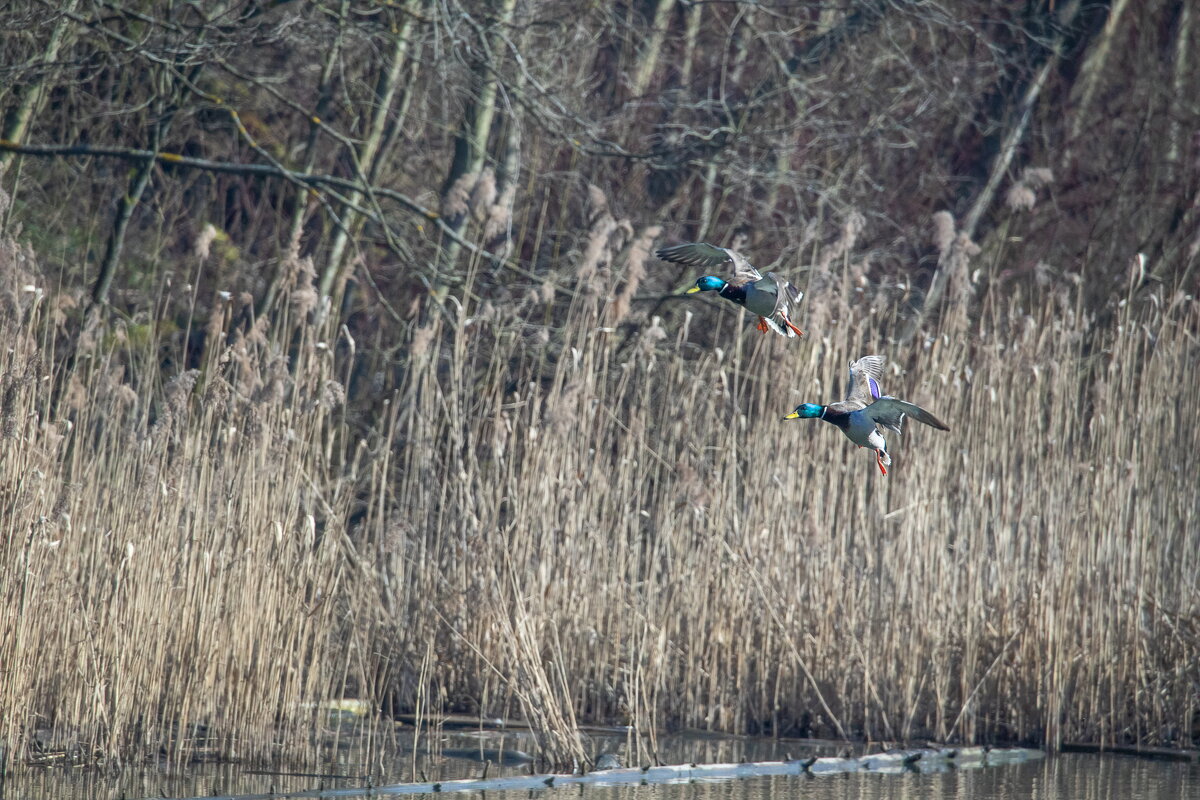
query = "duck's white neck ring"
{"x": 823, "y": 410}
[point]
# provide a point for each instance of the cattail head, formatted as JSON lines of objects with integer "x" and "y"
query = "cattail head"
{"x": 333, "y": 395}
{"x": 1020, "y": 197}
{"x": 456, "y": 203}
{"x": 304, "y": 297}
{"x": 853, "y": 226}
{"x": 204, "y": 241}
{"x": 597, "y": 204}
{"x": 635, "y": 271}
{"x": 179, "y": 389}
{"x": 1037, "y": 177}
{"x": 125, "y": 397}
{"x": 8, "y": 404}
{"x": 498, "y": 225}
{"x": 943, "y": 232}
{"x": 563, "y": 407}
{"x": 483, "y": 194}
{"x": 597, "y": 252}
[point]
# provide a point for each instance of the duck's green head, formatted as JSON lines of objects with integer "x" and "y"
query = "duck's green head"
{"x": 806, "y": 411}
{"x": 709, "y": 283}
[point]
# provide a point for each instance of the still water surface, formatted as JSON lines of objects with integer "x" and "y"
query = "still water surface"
{"x": 1063, "y": 777}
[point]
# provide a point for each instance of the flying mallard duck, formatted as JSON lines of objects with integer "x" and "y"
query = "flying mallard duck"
{"x": 865, "y": 408}
{"x": 769, "y": 297}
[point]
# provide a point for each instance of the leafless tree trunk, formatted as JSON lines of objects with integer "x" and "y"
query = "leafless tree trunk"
{"x": 324, "y": 95}
{"x": 385, "y": 93}
{"x": 1180, "y": 83}
{"x": 497, "y": 225}
{"x": 708, "y": 201}
{"x": 1089, "y": 76}
{"x": 648, "y": 62}
{"x": 125, "y": 208}
{"x": 743, "y": 38}
{"x": 691, "y": 30}
{"x": 470, "y": 147}
{"x": 18, "y": 121}
{"x": 314, "y": 127}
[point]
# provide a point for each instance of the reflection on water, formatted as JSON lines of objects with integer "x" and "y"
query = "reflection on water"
{"x": 460, "y": 754}
{"x": 1067, "y": 777}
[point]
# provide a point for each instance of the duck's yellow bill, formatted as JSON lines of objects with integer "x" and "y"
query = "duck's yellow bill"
{"x": 692, "y": 290}
{"x": 793, "y": 415}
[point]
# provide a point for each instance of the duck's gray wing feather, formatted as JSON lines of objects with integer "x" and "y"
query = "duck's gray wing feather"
{"x": 703, "y": 254}
{"x": 743, "y": 271}
{"x": 890, "y": 413}
{"x": 695, "y": 254}
{"x": 865, "y": 374}
{"x": 846, "y": 406}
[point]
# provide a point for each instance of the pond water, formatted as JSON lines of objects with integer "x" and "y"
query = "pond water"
{"x": 455, "y": 755}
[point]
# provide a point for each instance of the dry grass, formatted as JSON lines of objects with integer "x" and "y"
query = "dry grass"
{"x": 572, "y": 522}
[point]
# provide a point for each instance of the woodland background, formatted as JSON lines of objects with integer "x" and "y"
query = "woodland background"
{"x": 337, "y": 364}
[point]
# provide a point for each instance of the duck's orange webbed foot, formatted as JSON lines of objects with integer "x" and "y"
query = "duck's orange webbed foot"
{"x": 788, "y": 322}
{"x": 879, "y": 461}
{"x": 762, "y": 325}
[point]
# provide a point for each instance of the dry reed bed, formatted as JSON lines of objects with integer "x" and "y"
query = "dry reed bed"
{"x": 684, "y": 557}
{"x": 604, "y": 518}
{"x": 173, "y": 555}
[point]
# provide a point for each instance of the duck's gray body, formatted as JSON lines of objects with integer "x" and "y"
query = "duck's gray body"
{"x": 866, "y": 409}
{"x": 861, "y": 429}
{"x": 768, "y": 296}
{"x": 763, "y": 296}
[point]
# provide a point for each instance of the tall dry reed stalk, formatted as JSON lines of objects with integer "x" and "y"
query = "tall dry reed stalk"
{"x": 544, "y": 515}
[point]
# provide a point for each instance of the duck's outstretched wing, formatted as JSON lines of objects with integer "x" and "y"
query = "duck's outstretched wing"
{"x": 890, "y": 413}
{"x": 702, "y": 254}
{"x": 863, "y": 387}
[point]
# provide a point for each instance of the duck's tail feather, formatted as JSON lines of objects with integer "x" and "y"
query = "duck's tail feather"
{"x": 780, "y": 329}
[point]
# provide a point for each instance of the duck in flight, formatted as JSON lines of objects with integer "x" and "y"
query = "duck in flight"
{"x": 865, "y": 409}
{"x": 769, "y": 296}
